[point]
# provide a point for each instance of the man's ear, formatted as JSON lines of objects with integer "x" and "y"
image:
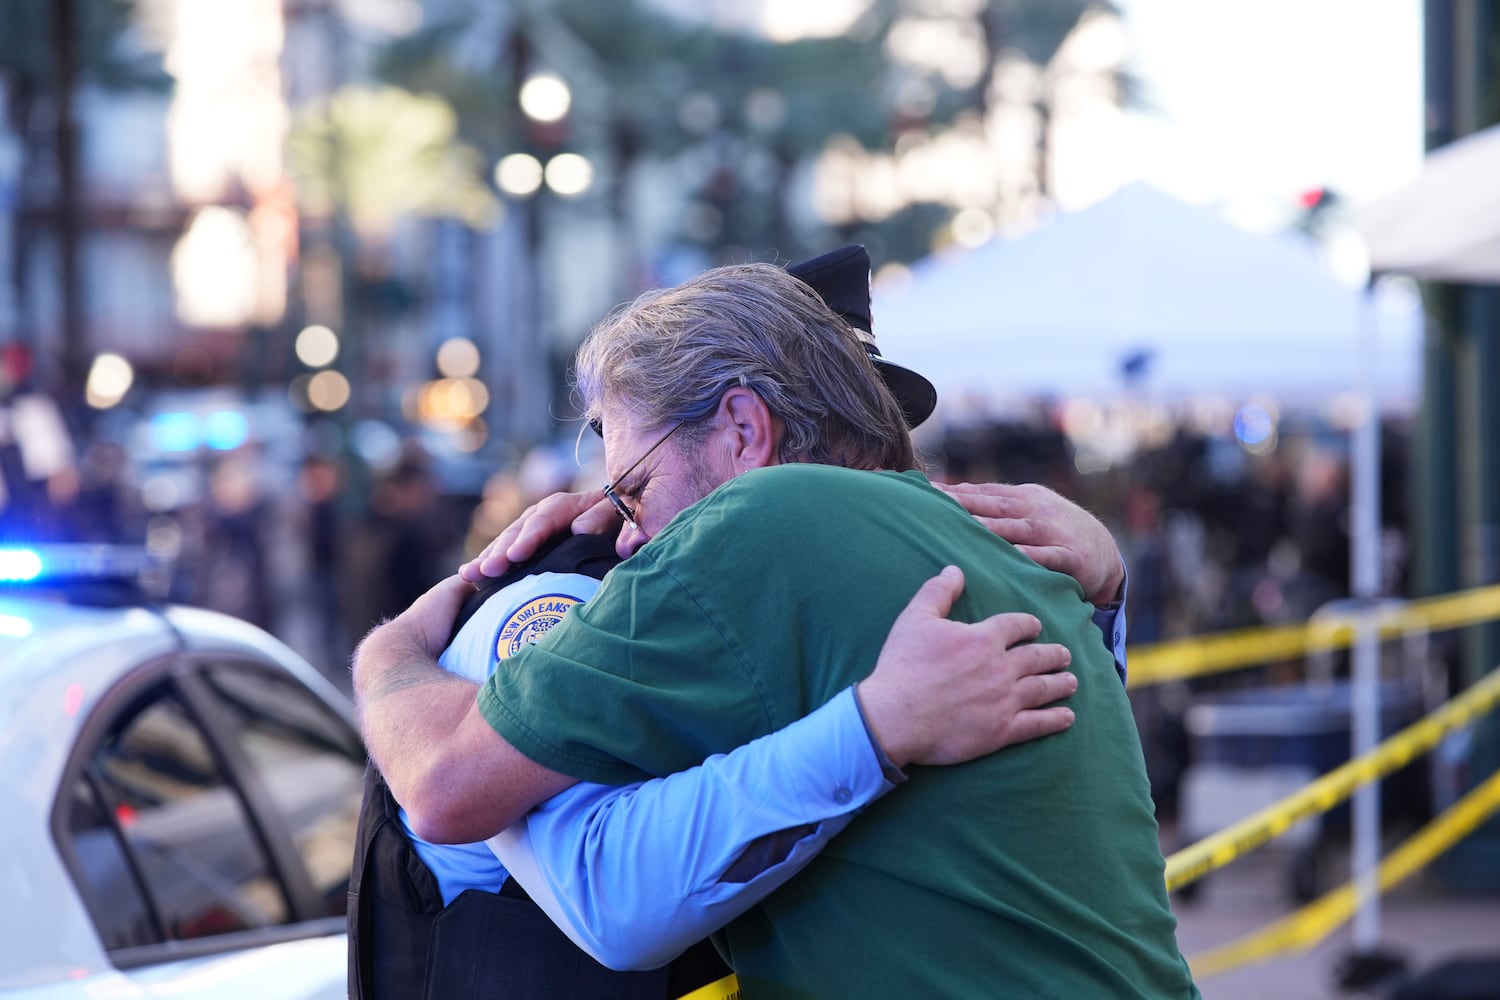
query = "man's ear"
{"x": 755, "y": 432}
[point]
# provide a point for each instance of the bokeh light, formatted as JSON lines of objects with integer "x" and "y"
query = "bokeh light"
{"x": 317, "y": 346}
{"x": 110, "y": 378}
{"x": 545, "y": 98}
{"x": 569, "y": 174}
{"x": 377, "y": 442}
{"x": 973, "y": 227}
{"x": 1255, "y": 429}
{"x": 518, "y": 175}
{"x": 328, "y": 391}
{"x": 458, "y": 357}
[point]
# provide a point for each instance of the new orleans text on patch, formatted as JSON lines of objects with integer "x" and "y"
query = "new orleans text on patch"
{"x": 530, "y": 622}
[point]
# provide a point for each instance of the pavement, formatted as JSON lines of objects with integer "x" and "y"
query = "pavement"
{"x": 1423, "y": 922}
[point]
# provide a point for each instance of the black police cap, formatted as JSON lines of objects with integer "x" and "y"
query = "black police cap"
{"x": 842, "y": 279}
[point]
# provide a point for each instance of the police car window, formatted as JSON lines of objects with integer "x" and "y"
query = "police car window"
{"x": 310, "y": 762}
{"x": 153, "y": 820}
{"x": 108, "y": 884}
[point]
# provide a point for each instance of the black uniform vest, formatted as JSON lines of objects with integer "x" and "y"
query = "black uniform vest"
{"x": 404, "y": 944}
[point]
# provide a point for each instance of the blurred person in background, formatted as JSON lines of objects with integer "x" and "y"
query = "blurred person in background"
{"x": 406, "y": 552}
{"x": 38, "y": 470}
{"x": 1318, "y": 523}
{"x": 319, "y": 484}
{"x": 106, "y": 506}
{"x": 231, "y": 574}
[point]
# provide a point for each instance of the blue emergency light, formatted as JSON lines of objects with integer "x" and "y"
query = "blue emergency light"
{"x": 19, "y": 565}
{"x": 39, "y": 564}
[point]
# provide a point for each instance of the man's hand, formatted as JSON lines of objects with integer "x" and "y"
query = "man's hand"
{"x": 585, "y": 513}
{"x": 458, "y": 779}
{"x": 944, "y": 692}
{"x": 1051, "y": 529}
{"x": 423, "y": 628}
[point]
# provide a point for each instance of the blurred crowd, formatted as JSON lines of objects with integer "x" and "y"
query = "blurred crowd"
{"x": 316, "y": 544}
{"x": 311, "y": 542}
{"x": 1216, "y": 536}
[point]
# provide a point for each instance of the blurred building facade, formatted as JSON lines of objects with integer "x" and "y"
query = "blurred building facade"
{"x": 1457, "y": 458}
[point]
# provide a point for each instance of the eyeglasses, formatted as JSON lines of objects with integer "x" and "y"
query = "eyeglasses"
{"x": 621, "y": 507}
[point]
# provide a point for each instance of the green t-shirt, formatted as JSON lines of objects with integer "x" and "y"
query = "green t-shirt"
{"x": 1034, "y": 872}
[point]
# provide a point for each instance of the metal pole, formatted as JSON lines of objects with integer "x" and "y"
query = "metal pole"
{"x": 1365, "y": 577}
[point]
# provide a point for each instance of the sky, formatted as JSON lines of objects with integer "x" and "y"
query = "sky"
{"x": 1251, "y": 100}
{"x": 1272, "y": 97}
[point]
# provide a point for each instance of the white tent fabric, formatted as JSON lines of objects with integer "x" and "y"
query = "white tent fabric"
{"x": 1445, "y": 225}
{"x": 1215, "y": 311}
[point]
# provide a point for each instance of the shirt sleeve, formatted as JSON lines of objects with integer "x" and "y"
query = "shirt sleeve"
{"x": 634, "y": 874}
{"x": 1110, "y": 620}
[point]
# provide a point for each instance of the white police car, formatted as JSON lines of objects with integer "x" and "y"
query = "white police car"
{"x": 179, "y": 794}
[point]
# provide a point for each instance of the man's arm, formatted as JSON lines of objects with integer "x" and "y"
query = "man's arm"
{"x": 457, "y": 778}
{"x": 1042, "y": 523}
{"x": 460, "y": 781}
{"x": 635, "y": 874}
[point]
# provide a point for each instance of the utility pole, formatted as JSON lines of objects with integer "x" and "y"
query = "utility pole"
{"x": 68, "y": 211}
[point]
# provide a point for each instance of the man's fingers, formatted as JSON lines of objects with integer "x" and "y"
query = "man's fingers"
{"x": 491, "y": 560}
{"x": 997, "y": 497}
{"x": 537, "y": 523}
{"x": 533, "y": 533}
{"x": 430, "y": 617}
{"x": 1056, "y": 557}
{"x": 448, "y": 593}
{"x": 1035, "y": 722}
{"x": 1045, "y": 688}
{"x": 600, "y": 519}
{"x": 1009, "y": 628}
{"x": 936, "y": 597}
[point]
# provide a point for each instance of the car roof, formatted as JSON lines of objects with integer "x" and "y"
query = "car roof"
{"x": 58, "y": 659}
{"x": 47, "y": 643}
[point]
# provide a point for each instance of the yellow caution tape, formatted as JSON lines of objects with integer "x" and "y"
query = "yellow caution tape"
{"x": 1314, "y": 922}
{"x": 1219, "y": 849}
{"x": 727, "y": 988}
{"x": 1181, "y": 658}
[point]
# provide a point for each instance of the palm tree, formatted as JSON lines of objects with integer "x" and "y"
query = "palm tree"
{"x": 740, "y": 112}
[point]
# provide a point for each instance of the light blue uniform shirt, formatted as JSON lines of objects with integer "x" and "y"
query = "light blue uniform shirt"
{"x": 634, "y": 874}
{"x": 838, "y": 772}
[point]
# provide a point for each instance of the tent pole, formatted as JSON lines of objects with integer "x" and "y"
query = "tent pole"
{"x": 1365, "y": 683}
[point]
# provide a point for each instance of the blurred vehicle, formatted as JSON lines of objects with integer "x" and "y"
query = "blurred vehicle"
{"x": 180, "y": 788}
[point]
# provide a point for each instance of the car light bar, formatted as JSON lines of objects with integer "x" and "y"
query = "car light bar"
{"x": 19, "y": 565}
{"x": 36, "y": 564}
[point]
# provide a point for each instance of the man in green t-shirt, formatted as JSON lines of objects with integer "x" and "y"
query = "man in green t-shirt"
{"x": 752, "y": 444}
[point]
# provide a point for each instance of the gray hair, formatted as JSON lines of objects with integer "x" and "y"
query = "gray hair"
{"x": 670, "y": 355}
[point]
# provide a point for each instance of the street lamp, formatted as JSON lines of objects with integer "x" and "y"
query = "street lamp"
{"x": 545, "y": 98}
{"x": 519, "y": 175}
{"x": 538, "y": 163}
{"x": 569, "y": 174}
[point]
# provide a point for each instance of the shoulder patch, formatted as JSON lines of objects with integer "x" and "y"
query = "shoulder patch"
{"x": 530, "y": 622}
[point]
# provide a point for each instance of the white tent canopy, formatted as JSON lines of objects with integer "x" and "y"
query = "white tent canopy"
{"x": 1212, "y": 309}
{"x": 1445, "y": 225}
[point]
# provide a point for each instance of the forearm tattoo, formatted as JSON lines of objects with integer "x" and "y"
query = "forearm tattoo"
{"x": 402, "y": 676}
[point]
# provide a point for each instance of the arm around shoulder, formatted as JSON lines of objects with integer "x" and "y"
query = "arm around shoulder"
{"x": 635, "y": 874}
{"x": 457, "y": 778}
